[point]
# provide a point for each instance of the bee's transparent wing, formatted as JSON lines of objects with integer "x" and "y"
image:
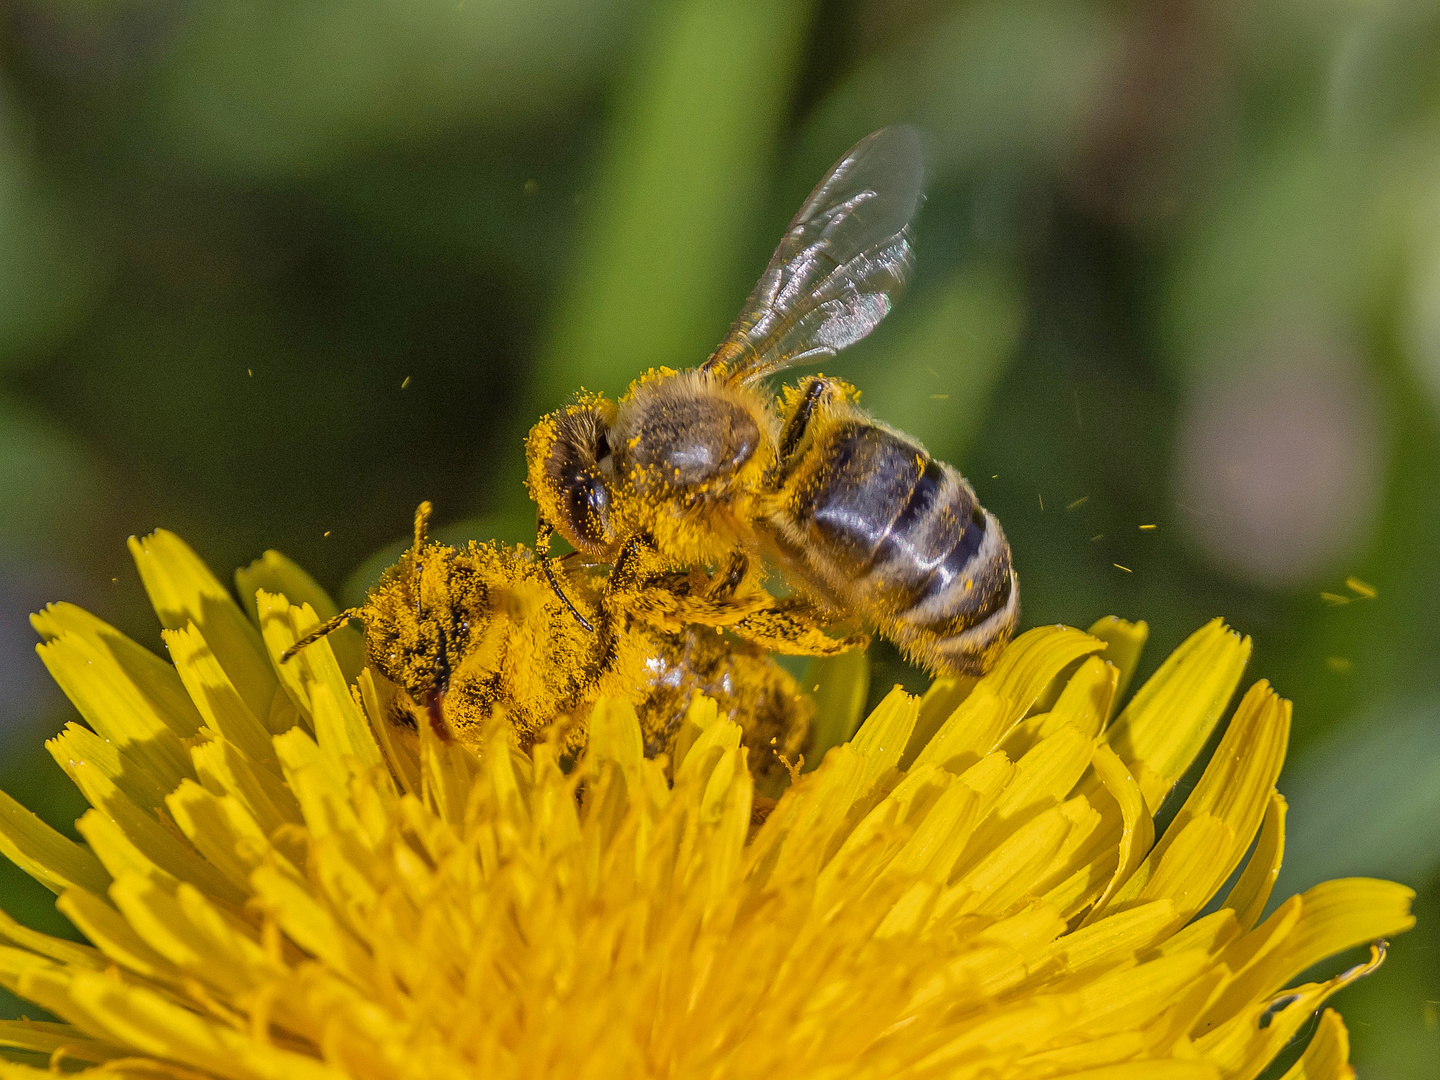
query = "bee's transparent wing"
{"x": 843, "y": 260}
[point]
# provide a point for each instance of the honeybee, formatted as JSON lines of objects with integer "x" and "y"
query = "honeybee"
{"x": 465, "y": 633}
{"x": 703, "y": 468}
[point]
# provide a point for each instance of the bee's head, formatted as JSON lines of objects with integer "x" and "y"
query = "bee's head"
{"x": 415, "y": 617}
{"x": 571, "y": 473}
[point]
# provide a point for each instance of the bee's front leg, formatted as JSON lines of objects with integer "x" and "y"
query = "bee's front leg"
{"x": 725, "y": 586}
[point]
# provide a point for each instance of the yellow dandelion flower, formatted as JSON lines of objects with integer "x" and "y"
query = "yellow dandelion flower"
{"x": 971, "y": 886}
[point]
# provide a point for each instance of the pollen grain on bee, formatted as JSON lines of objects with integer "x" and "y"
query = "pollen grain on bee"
{"x": 405, "y": 383}
{"x": 1125, "y": 568}
{"x": 1145, "y": 528}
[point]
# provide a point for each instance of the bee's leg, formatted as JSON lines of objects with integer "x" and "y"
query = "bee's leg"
{"x": 794, "y": 627}
{"x": 725, "y": 587}
{"x": 818, "y": 390}
{"x": 543, "y": 533}
{"x": 422, "y": 531}
{"x": 627, "y": 572}
{"x": 325, "y": 629}
{"x": 621, "y": 587}
{"x": 638, "y": 589}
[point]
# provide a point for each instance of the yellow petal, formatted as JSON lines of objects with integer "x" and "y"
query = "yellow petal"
{"x": 699, "y": 715}
{"x": 1137, "y": 830}
{"x": 1328, "y": 1055}
{"x": 1004, "y": 875}
{"x": 311, "y": 926}
{"x": 194, "y": 935}
{"x": 1045, "y": 775}
{"x": 400, "y": 754}
{"x": 55, "y": 861}
{"x": 145, "y": 787}
{"x": 145, "y": 834}
{"x": 1332, "y": 916}
{"x": 66, "y": 952}
{"x": 715, "y": 739}
{"x": 314, "y": 681}
{"x": 343, "y": 731}
{"x": 319, "y": 789}
{"x": 221, "y": 830}
{"x": 969, "y": 733}
{"x": 939, "y": 839}
{"x": 151, "y": 677}
{"x": 221, "y": 707}
{"x": 886, "y": 731}
{"x": 926, "y": 797}
{"x": 160, "y": 1028}
{"x": 1086, "y": 701}
{"x": 274, "y": 573}
{"x": 114, "y": 707}
{"x": 937, "y": 704}
{"x": 1244, "y": 1044}
{"x": 1033, "y": 661}
{"x": 1128, "y": 998}
{"x": 1252, "y": 892}
{"x": 98, "y": 920}
{"x": 1168, "y": 721}
{"x": 224, "y": 770}
{"x": 1340, "y": 914}
{"x": 1148, "y": 1070}
{"x": 183, "y": 590}
{"x": 1124, "y": 642}
{"x": 1124, "y": 934}
{"x": 839, "y": 684}
{"x": 1232, "y": 794}
{"x": 115, "y": 849}
{"x": 1184, "y": 867}
{"x": 64, "y": 1041}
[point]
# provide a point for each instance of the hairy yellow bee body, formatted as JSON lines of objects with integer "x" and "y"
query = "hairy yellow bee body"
{"x": 705, "y": 468}
{"x": 468, "y": 635}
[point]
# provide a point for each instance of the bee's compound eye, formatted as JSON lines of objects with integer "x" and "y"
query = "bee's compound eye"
{"x": 589, "y": 506}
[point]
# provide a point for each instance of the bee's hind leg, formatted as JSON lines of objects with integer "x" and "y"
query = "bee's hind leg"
{"x": 794, "y": 627}
{"x": 814, "y": 393}
{"x": 639, "y": 589}
{"x": 724, "y": 587}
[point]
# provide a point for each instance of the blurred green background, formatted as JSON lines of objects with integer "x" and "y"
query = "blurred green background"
{"x": 272, "y": 272}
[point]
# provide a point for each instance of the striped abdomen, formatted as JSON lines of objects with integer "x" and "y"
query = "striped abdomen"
{"x": 899, "y": 536}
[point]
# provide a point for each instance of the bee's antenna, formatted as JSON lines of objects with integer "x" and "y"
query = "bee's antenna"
{"x": 422, "y": 529}
{"x": 325, "y": 629}
{"x": 543, "y": 532}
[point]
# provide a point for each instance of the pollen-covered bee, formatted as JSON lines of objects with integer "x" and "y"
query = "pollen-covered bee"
{"x": 703, "y": 468}
{"x": 467, "y": 633}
